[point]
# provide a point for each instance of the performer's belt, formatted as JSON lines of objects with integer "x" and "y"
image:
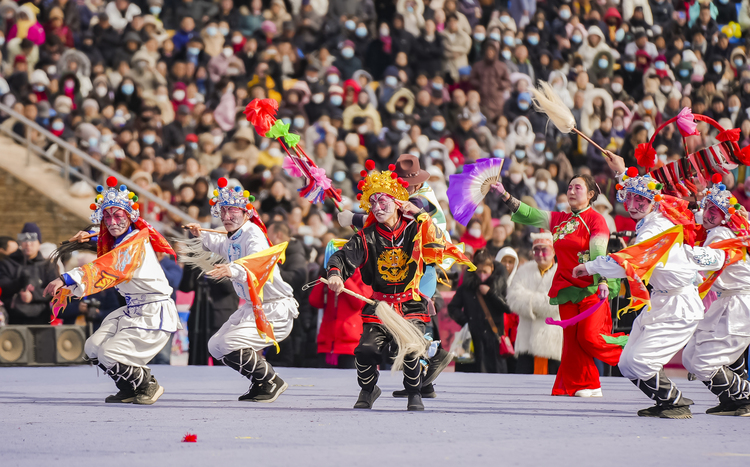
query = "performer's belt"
{"x": 393, "y": 297}
{"x": 677, "y": 291}
{"x": 720, "y": 293}
{"x": 144, "y": 299}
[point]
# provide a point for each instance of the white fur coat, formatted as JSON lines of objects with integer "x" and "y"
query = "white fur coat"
{"x": 528, "y": 298}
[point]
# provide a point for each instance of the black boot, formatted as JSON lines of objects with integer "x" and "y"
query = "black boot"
{"x": 427, "y": 392}
{"x": 125, "y": 395}
{"x": 669, "y": 400}
{"x": 251, "y": 364}
{"x": 437, "y": 364}
{"x": 145, "y": 389}
{"x": 367, "y": 398}
{"x": 739, "y": 368}
{"x": 149, "y": 393}
{"x": 415, "y": 403}
{"x": 265, "y": 391}
{"x": 732, "y": 390}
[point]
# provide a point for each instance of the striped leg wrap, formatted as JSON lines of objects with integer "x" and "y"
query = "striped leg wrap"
{"x": 367, "y": 375}
{"x": 250, "y": 364}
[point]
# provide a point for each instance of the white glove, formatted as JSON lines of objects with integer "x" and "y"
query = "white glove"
{"x": 345, "y": 218}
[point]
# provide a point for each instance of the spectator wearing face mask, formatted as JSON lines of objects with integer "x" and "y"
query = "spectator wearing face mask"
{"x": 380, "y": 52}
{"x": 491, "y": 79}
{"x": 456, "y": 47}
{"x": 595, "y": 43}
{"x": 481, "y": 294}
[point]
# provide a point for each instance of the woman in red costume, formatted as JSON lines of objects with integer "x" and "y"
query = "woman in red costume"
{"x": 578, "y": 236}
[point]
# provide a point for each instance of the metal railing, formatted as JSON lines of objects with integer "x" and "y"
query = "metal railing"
{"x": 66, "y": 168}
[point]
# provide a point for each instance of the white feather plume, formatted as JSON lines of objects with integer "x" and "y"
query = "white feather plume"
{"x": 190, "y": 251}
{"x": 549, "y": 103}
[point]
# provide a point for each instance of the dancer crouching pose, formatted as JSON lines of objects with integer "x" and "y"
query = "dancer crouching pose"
{"x": 715, "y": 353}
{"x": 238, "y": 343}
{"x": 398, "y": 240}
{"x": 130, "y": 336}
{"x": 676, "y": 307}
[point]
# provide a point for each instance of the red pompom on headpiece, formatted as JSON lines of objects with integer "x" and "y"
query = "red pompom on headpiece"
{"x": 361, "y": 184}
{"x": 645, "y": 155}
{"x": 363, "y": 174}
{"x": 618, "y": 187}
{"x": 369, "y": 164}
{"x": 394, "y": 175}
{"x": 222, "y": 182}
{"x": 632, "y": 172}
{"x": 359, "y": 196}
{"x": 391, "y": 167}
{"x": 716, "y": 178}
{"x": 92, "y": 207}
{"x": 111, "y": 182}
{"x": 262, "y": 114}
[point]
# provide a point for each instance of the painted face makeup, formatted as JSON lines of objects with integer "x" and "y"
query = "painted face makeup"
{"x": 638, "y": 206}
{"x": 712, "y": 216}
{"x": 116, "y": 220}
{"x": 232, "y": 218}
{"x": 383, "y": 206}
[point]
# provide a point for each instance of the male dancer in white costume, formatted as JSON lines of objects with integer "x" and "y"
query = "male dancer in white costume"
{"x": 237, "y": 343}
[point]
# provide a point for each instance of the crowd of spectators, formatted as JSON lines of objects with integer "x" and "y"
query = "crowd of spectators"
{"x": 155, "y": 89}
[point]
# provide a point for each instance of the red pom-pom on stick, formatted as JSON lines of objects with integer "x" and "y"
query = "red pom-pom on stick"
{"x": 632, "y": 172}
{"x": 370, "y": 164}
{"x": 716, "y": 178}
{"x": 111, "y": 181}
{"x": 222, "y": 182}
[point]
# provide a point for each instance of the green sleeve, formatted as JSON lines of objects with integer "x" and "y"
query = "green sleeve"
{"x": 531, "y": 216}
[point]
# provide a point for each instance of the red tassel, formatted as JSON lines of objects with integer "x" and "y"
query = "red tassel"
{"x": 729, "y": 135}
{"x": 744, "y": 155}
{"x": 645, "y": 155}
{"x": 190, "y": 438}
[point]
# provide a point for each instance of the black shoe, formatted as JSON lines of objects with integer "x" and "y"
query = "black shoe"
{"x": 743, "y": 411}
{"x": 123, "y": 396}
{"x": 147, "y": 394}
{"x": 676, "y": 412}
{"x": 652, "y": 411}
{"x": 724, "y": 408}
{"x": 428, "y": 392}
{"x": 415, "y": 403}
{"x": 366, "y": 399}
{"x": 438, "y": 363}
{"x": 265, "y": 391}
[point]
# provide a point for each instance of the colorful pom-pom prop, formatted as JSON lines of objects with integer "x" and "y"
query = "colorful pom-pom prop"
{"x": 246, "y": 194}
{"x": 632, "y": 172}
{"x": 111, "y": 182}
{"x": 363, "y": 174}
{"x": 190, "y": 438}
{"x": 657, "y": 198}
{"x": 659, "y": 186}
{"x": 370, "y": 164}
{"x": 99, "y": 197}
{"x": 737, "y": 206}
{"x": 123, "y": 188}
{"x": 237, "y": 189}
{"x": 211, "y": 202}
{"x": 248, "y": 206}
{"x": 361, "y": 185}
{"x": 135, "y": 206}
{"x": 216, "y": 192}
{"x": 135, "y": 198}
{"x": 391, "y": 167}
{"x": 618, "y": 187}
{"x": 394, "y": 175}
{"x": 731, "y": 210}
{"x": 93, "y": 207}
{"x": 359, "y": 196}
{"x": 131, "y": 195}
{"x": 222, "y": 182}
{"x": 99, "y": 188}
{"x": 732, "y": 200}
{"x": 251, "y": 198}
{"x": 716, "y": 178}
{"x": 651, "y": 185}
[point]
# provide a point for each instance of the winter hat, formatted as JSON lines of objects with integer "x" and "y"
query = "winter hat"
{"x": 39, "y": 77}
{"x": 33, "y": 229}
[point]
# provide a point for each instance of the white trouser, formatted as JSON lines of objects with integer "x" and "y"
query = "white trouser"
{"x": 651, "y": 346}
{"x": 129, "y": 346}
{"x": 240, "y": 332}
{"x": 709, "y": 350}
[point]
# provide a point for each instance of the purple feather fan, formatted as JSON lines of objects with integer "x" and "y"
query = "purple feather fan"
{"x": 468, "y": 189}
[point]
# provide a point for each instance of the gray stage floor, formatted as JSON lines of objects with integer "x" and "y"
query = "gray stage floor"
{"x": 57, "y": 416}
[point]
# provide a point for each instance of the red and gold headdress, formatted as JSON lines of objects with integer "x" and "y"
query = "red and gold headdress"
{"x": 387, "y": 182}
